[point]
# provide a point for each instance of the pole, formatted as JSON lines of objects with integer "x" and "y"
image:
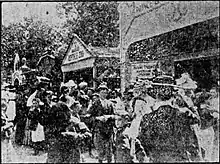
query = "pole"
{"x": 94, "y": 69}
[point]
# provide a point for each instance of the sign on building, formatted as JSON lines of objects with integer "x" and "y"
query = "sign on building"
{"x": 77, "y": 51}
{"x": 142, "y": 70}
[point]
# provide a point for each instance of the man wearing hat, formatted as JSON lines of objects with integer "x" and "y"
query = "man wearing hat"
{"x": 72, "y": 87}
{"x": 166, "y": 131}
{"x": 83, "y": 86}
{"x": 102, "y": 113}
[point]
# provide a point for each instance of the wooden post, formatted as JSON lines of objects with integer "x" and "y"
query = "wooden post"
{"x": 94, "y": 75}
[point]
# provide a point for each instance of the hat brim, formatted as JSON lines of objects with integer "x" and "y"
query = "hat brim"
{"x": 103, "y": 88}
{"x": 97, "y": 95}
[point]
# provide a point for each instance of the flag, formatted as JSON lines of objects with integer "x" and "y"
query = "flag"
{"x": 17, "y": 59}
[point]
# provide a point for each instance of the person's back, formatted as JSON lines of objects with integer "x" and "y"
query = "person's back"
{"x": 166, "y": 135}
{"x": 65, "y": 140}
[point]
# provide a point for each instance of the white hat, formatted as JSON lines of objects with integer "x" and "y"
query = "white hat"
{"x": 71, "y": 83}
{"x": 83, "y": 84}
{"x": 186, "y": 82}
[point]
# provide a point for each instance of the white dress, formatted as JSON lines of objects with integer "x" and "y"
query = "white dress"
{"x": 38, "y": 134}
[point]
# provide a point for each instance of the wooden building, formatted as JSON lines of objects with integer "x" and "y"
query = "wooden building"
{"x": 92, "y": 64}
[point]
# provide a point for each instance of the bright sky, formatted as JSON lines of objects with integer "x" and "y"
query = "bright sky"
{"x": 13, "y": 12}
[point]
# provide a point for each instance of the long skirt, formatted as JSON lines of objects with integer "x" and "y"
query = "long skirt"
{"x": 20, "y": 131}
{"x": 104, "y": 147}
{"x": 27, "y": 135}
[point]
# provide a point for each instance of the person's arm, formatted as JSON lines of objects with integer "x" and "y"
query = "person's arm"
{"x": 30, "y": 99}
{"x": 72, "y": 133}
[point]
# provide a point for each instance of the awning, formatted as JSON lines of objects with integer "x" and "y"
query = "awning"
{"x": 87, "y": 63}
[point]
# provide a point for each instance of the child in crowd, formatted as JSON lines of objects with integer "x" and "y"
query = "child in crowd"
{"x": 36, "y": 128}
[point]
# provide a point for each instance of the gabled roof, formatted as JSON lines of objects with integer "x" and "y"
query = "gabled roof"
{"x": 42, "y": 57}
{"x": 76, "y": 38}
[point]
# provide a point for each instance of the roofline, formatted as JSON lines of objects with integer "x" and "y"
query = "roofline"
{"x": 78, "y": 61}
{"x": 83, "y": 44}
{"x": 44, "y": 57}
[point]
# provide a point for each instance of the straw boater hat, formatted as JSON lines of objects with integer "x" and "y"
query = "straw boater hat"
{"x": 163, "y": 80}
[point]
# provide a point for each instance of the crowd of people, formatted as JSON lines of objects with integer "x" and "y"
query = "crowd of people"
{"x": 120, "y": 127}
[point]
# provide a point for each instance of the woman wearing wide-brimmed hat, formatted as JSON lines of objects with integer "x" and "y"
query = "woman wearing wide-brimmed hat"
{"x": 141, "y": 104}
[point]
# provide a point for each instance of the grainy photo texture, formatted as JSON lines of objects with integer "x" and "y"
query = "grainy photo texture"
{"x": 110, "y": 82}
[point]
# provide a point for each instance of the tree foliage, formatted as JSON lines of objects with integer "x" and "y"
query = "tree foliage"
{"x": 96, "y": 23}
{"x": 31, "y": 39}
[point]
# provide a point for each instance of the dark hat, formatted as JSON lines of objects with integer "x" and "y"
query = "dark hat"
{"x": 164, "y": 79}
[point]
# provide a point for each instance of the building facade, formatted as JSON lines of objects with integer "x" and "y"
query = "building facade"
{"x": 91, "y": 64}
{"x": 174, "y": 36}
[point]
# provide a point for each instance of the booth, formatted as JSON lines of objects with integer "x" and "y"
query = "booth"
{"x": 91, "y": 64}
